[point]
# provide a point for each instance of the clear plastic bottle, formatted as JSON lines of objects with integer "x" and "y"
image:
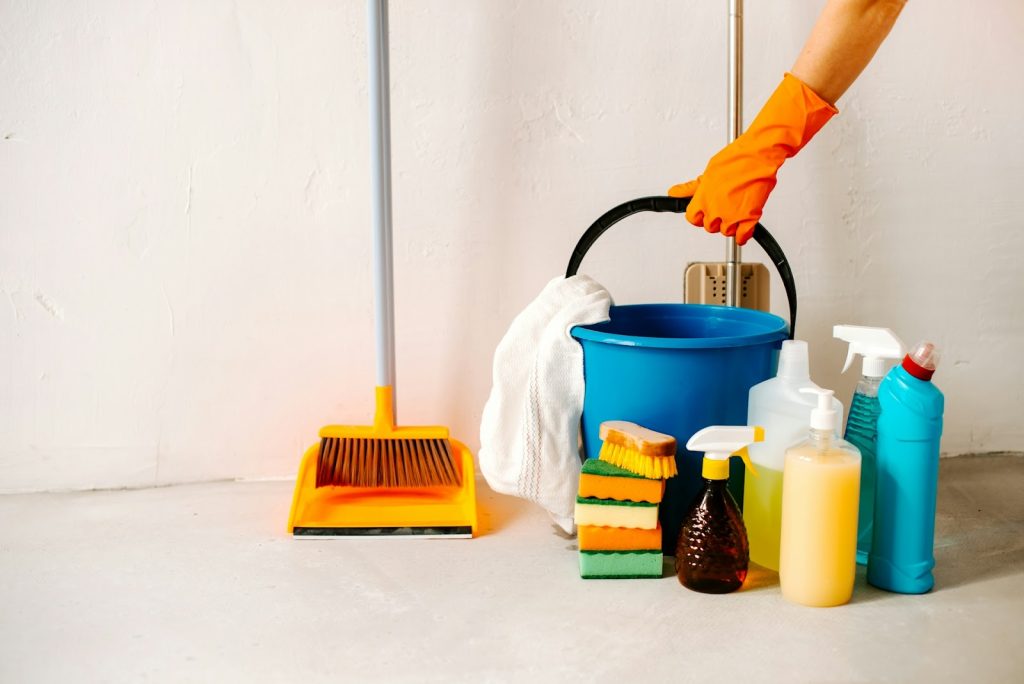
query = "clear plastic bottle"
{"x": 862, "y": 432}
{"x": 876, "y": 345}
{"x": 778, "y": 405}
{"x": 818, "y": 551}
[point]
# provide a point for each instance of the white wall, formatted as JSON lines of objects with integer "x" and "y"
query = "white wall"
{"x": 184, "y": 236}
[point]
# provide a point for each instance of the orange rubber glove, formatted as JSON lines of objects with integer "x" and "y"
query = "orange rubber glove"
{"x": 730, "y": 195}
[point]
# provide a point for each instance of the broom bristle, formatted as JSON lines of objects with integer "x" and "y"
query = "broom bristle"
{"x": 653, "y": 467}
{"x": 368, "y": 462}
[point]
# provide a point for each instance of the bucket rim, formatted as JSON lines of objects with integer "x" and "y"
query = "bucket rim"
{"x": 775, "y": 329}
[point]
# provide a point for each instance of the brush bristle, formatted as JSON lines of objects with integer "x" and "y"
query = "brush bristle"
{"x": 360, "y": 462}
{"x": 653, "y": 467}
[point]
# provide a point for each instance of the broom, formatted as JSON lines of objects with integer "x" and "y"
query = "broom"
{"x": 383, "y": 456}
{"x": 382, "y": 479}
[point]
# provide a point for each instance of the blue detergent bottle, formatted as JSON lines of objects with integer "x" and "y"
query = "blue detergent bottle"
{"x": 876, "y": 345}
{"x": 909, "y": 429}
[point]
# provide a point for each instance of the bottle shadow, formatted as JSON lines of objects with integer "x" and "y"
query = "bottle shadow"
{"x": 759, "y": 579}
{"x": 979, "y": 524}
{"x": 979, "y": 528}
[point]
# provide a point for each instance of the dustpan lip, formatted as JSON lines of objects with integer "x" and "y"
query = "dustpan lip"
{"x": 383, "y": 532}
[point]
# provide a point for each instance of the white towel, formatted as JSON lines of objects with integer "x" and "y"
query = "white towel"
{"x": 529, "y": 432}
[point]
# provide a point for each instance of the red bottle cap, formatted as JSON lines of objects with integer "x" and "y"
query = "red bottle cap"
{"x": 921, "y": 361}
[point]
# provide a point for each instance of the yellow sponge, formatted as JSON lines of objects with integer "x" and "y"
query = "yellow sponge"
{"x": 611, "y": 513}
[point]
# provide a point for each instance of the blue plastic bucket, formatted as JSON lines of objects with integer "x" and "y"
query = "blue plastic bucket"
{"x": 677, "y": 368}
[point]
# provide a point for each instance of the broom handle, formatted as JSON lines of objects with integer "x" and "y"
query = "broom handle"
{"x": 733, "y": 252}
{"x": 380, "y": 173}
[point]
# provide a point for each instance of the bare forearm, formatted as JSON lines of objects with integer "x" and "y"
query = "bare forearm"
{"x": 842, "y": 43}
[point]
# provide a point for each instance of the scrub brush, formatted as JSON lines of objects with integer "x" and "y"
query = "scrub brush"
{"x": 635, "y": 448}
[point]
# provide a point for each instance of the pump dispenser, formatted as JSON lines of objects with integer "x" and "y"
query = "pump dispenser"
{"x": 877, "y": 346}
{"x": 778, "y": 405}
{"x": 823, "y": 416}
{"x": 712, "y": 552}
{"x": 818, "y": 548}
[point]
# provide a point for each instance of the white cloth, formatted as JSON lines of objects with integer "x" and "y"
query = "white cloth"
{"x": 529, "y": 432}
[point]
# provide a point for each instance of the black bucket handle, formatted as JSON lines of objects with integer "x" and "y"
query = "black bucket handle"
{"x": 677, "y": 205}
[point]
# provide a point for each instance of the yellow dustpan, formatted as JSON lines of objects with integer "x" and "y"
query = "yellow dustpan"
{"x": 334, "y": 495}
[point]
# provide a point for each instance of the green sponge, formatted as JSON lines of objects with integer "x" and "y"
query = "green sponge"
{"x": 595, "y": 466}
{"x": 620, "y": 564}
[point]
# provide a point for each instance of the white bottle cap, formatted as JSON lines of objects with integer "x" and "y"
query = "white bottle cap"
{"x": 793, "y": 361}
{"x": 824, "y": 417}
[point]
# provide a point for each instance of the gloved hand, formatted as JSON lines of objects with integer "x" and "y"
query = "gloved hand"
{"x": 730, "y": 195}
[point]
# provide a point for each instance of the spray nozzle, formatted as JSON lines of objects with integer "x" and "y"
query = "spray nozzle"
{"x": 874, "y": 344}
{"x": 719, "y": 443}
{"x": 823, "y": 416}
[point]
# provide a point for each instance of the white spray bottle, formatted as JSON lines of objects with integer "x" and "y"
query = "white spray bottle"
{"x": 876, "y": 345}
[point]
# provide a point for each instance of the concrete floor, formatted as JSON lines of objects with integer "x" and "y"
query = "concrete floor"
{"x": 200, "y": 583}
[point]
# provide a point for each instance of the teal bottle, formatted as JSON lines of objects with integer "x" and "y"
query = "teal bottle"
{"x": 907, "y": 475}
{"x": 862, "y": 432}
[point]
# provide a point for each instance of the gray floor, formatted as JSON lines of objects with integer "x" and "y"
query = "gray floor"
{"x": 200, "y": 583}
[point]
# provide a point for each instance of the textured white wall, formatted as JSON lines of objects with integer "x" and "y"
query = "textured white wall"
{"x": 184, "y": 236}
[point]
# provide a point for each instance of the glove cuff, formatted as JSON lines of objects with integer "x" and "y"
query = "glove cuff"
{"x": 790, "y": 118}
{"x": 817, "y": 111}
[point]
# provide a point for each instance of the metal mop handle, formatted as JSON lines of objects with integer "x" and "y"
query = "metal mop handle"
{"x": 380, "y": 174}
{"x": 733, "y": 256}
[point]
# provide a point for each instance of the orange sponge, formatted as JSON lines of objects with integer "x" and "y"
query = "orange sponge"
{"x": 602, "y": 480}
{"x": 594, "y": 538}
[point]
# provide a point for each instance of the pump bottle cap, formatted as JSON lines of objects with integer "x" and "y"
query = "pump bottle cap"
{"x": 823, "y": 417}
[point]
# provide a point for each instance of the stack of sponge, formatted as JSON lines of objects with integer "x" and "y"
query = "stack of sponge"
{"x": 617, "y": 519}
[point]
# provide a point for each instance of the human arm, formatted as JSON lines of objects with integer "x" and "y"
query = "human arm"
{"x": 842, "y": 43}
{"x": 730, "y": 195}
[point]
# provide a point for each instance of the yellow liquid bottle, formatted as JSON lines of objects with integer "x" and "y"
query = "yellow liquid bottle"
{"x": 779, "y": 405}
{"x": 762, "y": 514}
{"x": 818, "y": 546}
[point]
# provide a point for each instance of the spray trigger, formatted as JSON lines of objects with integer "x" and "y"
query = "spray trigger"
{"x": 744, "y": 453}
{"x": 850, "y": 356}
{"x": 721, "y": 442}
{"x": 874, "y": 344}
